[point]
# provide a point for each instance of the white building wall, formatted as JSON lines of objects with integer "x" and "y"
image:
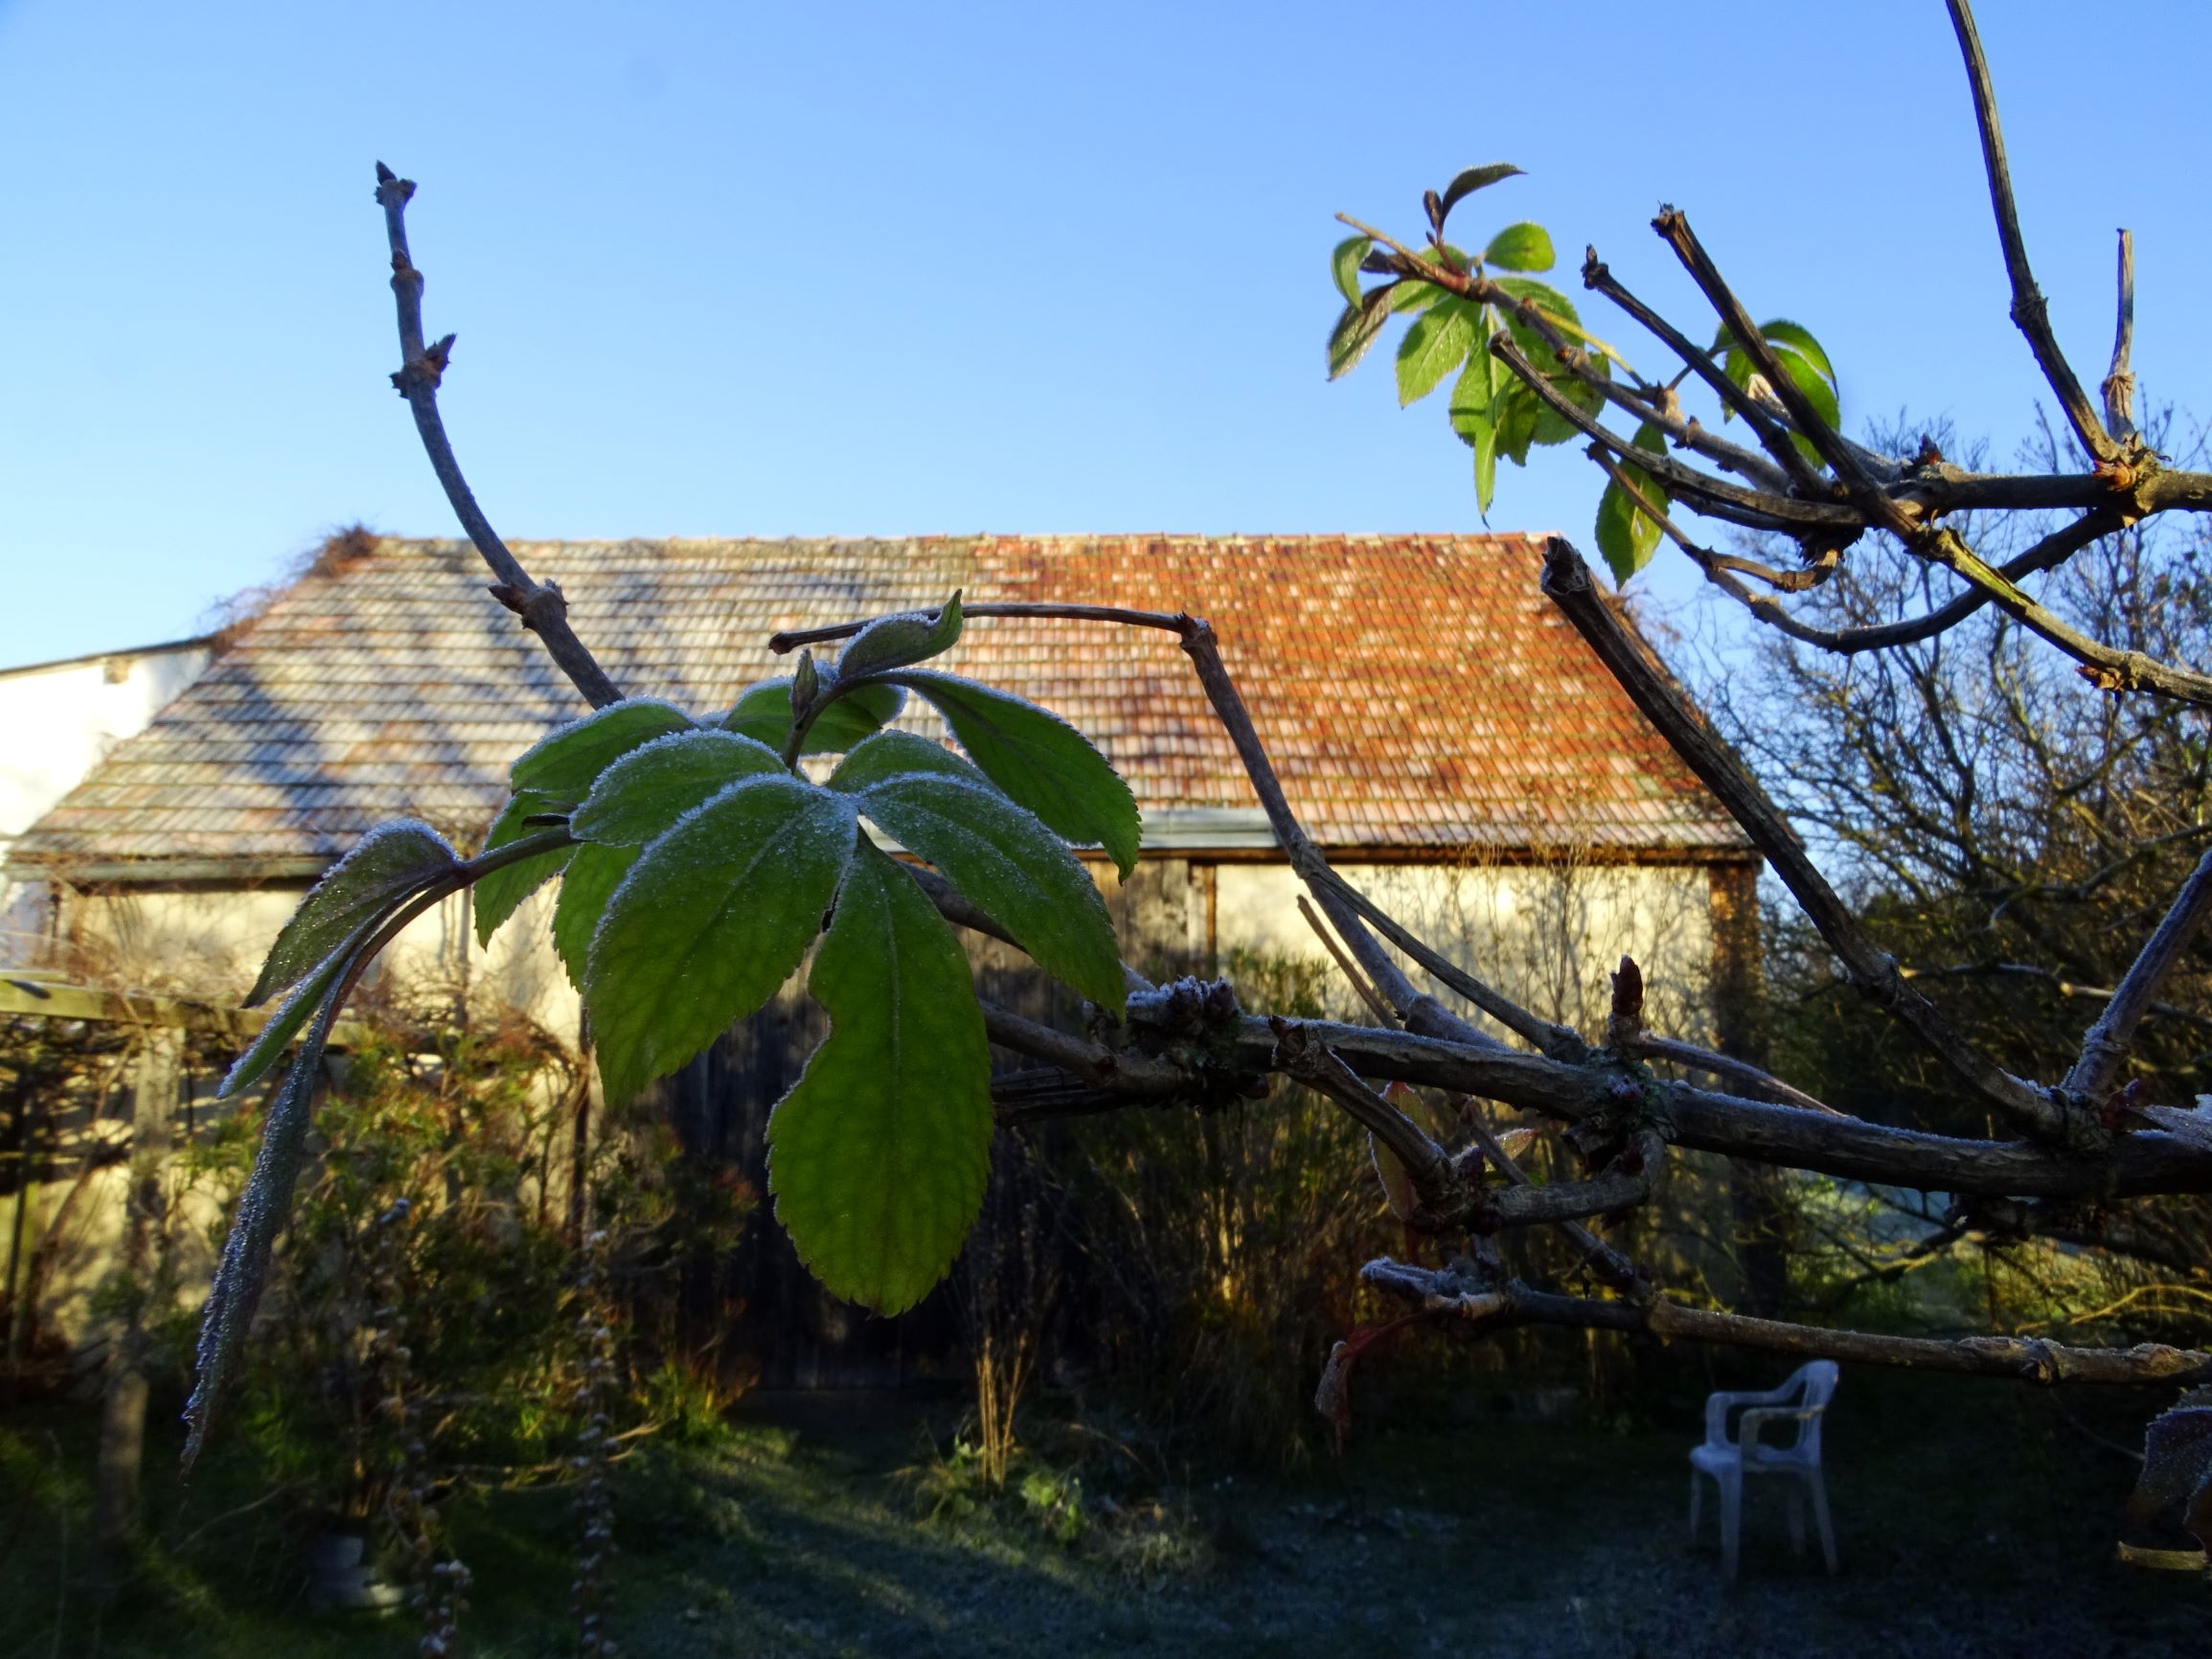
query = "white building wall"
{"x": 58, "y": 721}
{"x": 1547, "y": 934}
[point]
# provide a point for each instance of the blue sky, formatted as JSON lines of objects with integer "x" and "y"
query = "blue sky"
{"x": 895, "y": 269}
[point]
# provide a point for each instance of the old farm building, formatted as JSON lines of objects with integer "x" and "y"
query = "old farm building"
{"x": 1439, "y": 730}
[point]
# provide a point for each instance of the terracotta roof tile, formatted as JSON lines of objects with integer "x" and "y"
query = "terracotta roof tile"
{"x": 1415, "y": 692}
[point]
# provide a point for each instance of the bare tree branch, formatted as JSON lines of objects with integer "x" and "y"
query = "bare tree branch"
{"x": 540, "y": 604}
{"x": 1567, "y": 582}
{"x": 1664, "y": 1048}
{"x": 1674, "y": 228}
{"x": 1773, "y": 436}
{"x": 2020, "y": 1359}
{"x": 2119, "y": 386}
{"x": 1311, "y": 1062}
{"x": 2108, "y": 1041}
{"x": 2029, "y": 312}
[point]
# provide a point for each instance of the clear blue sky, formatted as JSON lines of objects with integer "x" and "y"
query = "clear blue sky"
{"x": 884, "y": 269}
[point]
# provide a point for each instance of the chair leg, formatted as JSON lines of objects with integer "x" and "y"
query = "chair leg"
{"x": 1697, "y": 1501}
{"x": 1731, "y": 1525}
{"x": 1819, "y": 1488}
{"x": 1796, "y": 1521}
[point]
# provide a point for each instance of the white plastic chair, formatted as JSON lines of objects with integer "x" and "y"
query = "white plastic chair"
{"x": 1802, "y": 1400}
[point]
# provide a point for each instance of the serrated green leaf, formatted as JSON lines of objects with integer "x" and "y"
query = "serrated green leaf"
{"x": 1358, "y": 329}
{"x": 893, "y": 642}
{"x": 647, "y": 789}
{"x": 895, "y": 755}
{"x": 1470, "y": 179}
{"x": 562, "y": 766}
{"x": 1041, "y": 761}
{"x": 262, "y": 1208}
{"x": 1521, "y": 248}
{"x": 292, "y": 1013}
{"x": 1344, "y": 266}
{"x": 1543, "y": 296}
{"x": 878, "y": 1157}
{"x": 499, "y": 895}
{"x": 1485, "y": 468}
{"x": 1005, "y": 861}
{"x": 1817, "y": 392}
{"x": 1518, "y": 411}
{"x": 383, "y": 868}
{"x": 1473, "y": 395}
{"x": 1782, "y": 331}
{"x": 1434, "y": 347}
{"x": 1553, "y": 427}
{"x": 764, "y": 714}
{"x": 586, "y": 886}
{"x": 710, "y": 921}
{"x": 1415, "y": 295}
{"x": 1628, "y": 535}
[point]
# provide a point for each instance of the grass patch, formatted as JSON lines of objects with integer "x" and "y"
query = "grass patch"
{"x": 1975, "y": 1519}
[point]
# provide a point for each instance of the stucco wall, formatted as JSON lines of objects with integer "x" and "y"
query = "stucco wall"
{"x": 56, "y": 722}
{"x": 1547, "y": 934}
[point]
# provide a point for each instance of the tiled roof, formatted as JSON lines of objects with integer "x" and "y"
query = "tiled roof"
{"x": 1415, "y": 692}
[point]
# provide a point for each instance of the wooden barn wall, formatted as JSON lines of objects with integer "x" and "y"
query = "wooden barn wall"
{"x": 796, "y": 1333}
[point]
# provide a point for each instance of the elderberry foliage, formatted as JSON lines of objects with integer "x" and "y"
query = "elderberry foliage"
{"x": 701, "y": 860}
{"x": 1493, "y": 411}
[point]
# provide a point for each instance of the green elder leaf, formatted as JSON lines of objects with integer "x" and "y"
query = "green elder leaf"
{"x": 1434, "y": 347}
{"x": 1344, "y": 266}
{"x": 1517, "y": 412}
{"x": 1003, "y": 859}
{"x": 1485, "y": 468}
{"x": 1473, "y": 394}
{"x": 1412, "y": 294}
{"x": 500, "y": 893}
{"x": 1470, "y": 179}
{"x": 1628, "y": 535}
{"x": 893, "y": 642}
{"x": 1817, "y": 392}
{"x": 878, "y": 1155}
{"x": 264, "y": 1205}
{"x": 1782, "y": 331}
{"x": 655, "y": 784}
{"x": 710, "y": 920}
{"x": 563, "y": 766}
{"x": 284, "y": 1024}
{"x": 895, "y": 755}
{"x": 385, "y": 866}
{"x": 1041, "y": 761}
{"x": 1358, "y": 329}
{"x": 586, "y": 886}
{"x": 1521, "y": 248}
{"x": 764, "y": 714}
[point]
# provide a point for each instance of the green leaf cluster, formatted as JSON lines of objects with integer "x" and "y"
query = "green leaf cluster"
{"x": 700, "y": 865}
{"x": 1493, "y": 413}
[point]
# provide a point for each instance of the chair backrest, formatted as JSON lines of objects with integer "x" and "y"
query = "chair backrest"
{"x": 1818, "y": 1381}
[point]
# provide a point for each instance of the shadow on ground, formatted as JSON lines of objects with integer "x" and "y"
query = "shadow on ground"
{"x": 1974, "y": 1520}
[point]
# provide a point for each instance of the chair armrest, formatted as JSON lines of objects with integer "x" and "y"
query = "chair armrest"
{"x": 1758, "y": 1418}
{"x": 1719, "y": 1405}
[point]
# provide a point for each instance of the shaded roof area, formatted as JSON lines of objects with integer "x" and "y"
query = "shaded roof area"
{"x": 1415, "y": 692}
